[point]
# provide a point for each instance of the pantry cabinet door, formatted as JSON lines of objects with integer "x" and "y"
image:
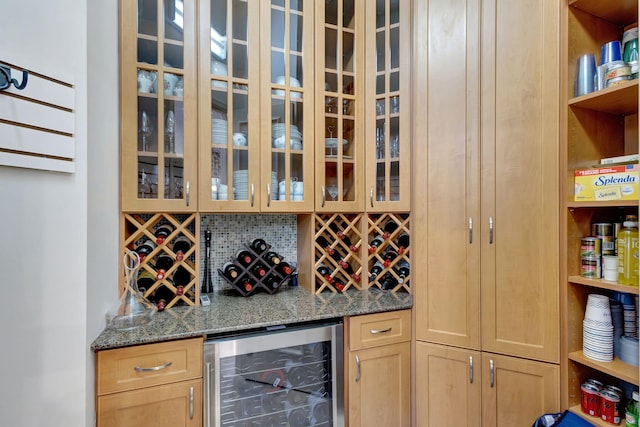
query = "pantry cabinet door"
{"x": 520, "y": 136}
{"x": 447, "y": 210}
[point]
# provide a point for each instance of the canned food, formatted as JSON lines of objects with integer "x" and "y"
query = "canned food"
{"x": 591, "y": 267}
{"x": 604, "y": 230}
{"x": 590, "y": 399}
{"x": 617, "y": 69}
{"x": 616, "y": 390}
{"x": 616, "y": 81}
{"x": 594, "y": 382}
{"x": 610, "y": 407}
{"x": 590, "y": 247}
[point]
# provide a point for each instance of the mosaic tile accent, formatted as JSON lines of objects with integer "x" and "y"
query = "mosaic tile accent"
{"x": 230, "y": 231}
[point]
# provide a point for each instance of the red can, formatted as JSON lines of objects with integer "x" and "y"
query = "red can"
{"x": 610, "y": 407}
{"x": 590, "y": 399}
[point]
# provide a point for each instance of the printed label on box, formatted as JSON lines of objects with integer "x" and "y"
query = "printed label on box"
{"x": 612, "y": 183}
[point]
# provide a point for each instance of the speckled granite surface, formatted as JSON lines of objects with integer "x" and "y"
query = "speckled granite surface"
{"x": 229, "y": 312}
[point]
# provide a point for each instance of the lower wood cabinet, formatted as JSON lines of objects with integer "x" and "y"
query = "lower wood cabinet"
{"x": 457, "y": 387}
{"x": 378, "y": 369}
{"x": 150, "y": 385}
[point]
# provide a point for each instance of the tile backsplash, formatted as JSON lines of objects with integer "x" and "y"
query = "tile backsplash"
{"x": 230, "y": 231}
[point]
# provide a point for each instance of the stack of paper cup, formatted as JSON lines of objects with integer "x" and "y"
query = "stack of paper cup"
{"x": 610, "y": 268}
{"x": 597, "y": 334}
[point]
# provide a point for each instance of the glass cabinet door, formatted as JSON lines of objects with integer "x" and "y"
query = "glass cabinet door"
{"x": 229, "y": 115}
{"x": 339, "y": 116}
{"x": 287, "y": 81}
{"x": 158, "y": 143}
{"x": 388, "y": 109}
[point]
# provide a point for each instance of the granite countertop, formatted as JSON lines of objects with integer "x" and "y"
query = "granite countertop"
{"x": 230, "y": 312}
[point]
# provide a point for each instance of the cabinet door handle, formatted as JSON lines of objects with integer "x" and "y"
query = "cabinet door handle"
{"x": 491, "y": 373}
{"x": 323, "y": 196}
{"x": 470, "y": 369}
{"x": 153, "y": 368}
{"x": 371, "y": 196}
{"x": 490, "y": 230}
{"x": 191, "y": 402}
{"x": 268, "y": 195}
{"x": 187, "y": 198}
{"x": 207, "y": 395}
{"x": 470, "y": 230}
{"x": 358, "y": 367}
{"x": 253, "y": 194}
{"x": 379, "y": 331}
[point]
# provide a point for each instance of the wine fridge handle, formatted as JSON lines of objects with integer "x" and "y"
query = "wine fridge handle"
{"x": 187, "y": 198}
{"x": 371, "y": 196}
{"x": 470, "y": 369}
{"x": 470, "y": 230}
{"x": 323, "y": 196}
{"x": 207, "y": 395}
{"x": 490, "y": 230}
{"x": 253, "y": 194}
{"x": 268, "y": 195}
{"x": 153, "y": 368}
{"x": 191, "y": 402}
{"x": 358, "y": 368}
{"x": 491, "y": 373}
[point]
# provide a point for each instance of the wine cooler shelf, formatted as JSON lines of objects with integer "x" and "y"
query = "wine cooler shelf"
{"x": 168, "y": 248}
{"x": 256, "y": 267}
{"x": 343, "y": 261}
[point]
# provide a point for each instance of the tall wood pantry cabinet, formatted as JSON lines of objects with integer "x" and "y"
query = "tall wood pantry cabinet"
{"x": 486, "y": 135}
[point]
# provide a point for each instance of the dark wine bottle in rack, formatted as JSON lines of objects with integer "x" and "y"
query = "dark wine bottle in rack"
{"x": 389, "y": 227}
{"x": 272, "y": 258}
{"x": 388, "y": 282}
{"x": 339, "y": 259}
{"x": 325, "y": 272}
{"x": 231, "y": 271}
{"x": 375, "y": 270}
{"x": 338, "y": 283}
{"x": 324, "y": 244}
{"x": 247, "y": 284}
{"x": 375, "y": 244}
{"x": 244, "y": 257}
{"x": 403, "y": 269}
{"x": 145, "y": 280}
{"x": 162, "y": 297}
{"x": 259, "y": 270}
{"x": 272, "y": 281}
{"x": 258, "y": 246}
{"x": 284, "y": 268}
{"x": 403, "y": 243}
{"x": 163, "y": 264}
{"x": 145, "y": 248}
{"x": 162, "y": 232}
{"x": 181, "y": 246}
{"x": 181, "y": 279}
{"x": 349, "y": 270}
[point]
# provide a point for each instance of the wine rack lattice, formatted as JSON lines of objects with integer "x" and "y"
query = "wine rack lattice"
{"x": 389, "y": 251}
{"x": 177, "y": 282}
{"x": 338, "y": 249}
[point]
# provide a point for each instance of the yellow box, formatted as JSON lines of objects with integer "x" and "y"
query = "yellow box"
{"x": 612, "y": 183}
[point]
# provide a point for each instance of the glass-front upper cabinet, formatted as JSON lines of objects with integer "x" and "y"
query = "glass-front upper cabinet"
{"x": 388, "y": 138}
{"x": 287, "y": 105}
{"x": 229, "y": 106}
{"x": 340, "y": 87}
{"x": 158, "y": 110}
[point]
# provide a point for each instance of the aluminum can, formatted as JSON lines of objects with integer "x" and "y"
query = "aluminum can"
{"x": 604, "y": 230}
{"x": 590, "y": 246}
{"x": 610, "y": 407}
{"x": 590, "y": 399}
{"x": 591, "y": 267}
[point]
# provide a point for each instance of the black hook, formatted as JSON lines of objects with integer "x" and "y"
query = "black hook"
{"x": 6, "y": 81}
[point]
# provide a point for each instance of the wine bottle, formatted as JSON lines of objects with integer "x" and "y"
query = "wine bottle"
{"x": 145, "y": 248}
{"x": 338, "y": 284}
{"x": 349, "y": 270}
{"x": 403, "y": 243}
{"x": 244, "y": 257}
{"x": 388, "y": 282}
{"x": 272, "y": 281}
{"x": 272, "y": 258}
{"x": 347, "y": 241}
{"x": 324, "y": 244}
{"x": 231, "y": 271}
{"x": 389, "y": 228}
{"x": 259, "y": 270}
{"x": 375, "y": 244}
{"x": 181, "y": 279}
{"x": 145, "y": 280}
{"x": 163, "y": 297}
{"x": 162, "y": 232}
{"x": 375, "y": 270}
{"x": 403, "y": 270}
{"x": 181, "y": 246}
{"x": 247, "y": 284}
{"x": 163, "y": 264}
{"x": 284, "y": 268}
{"x": 207, "y": 285}
{"x": 258, "y": 245}
{"x": 325, "y": 272}
{"x": 338, "y": 258}
{"x": 389, "y": 255}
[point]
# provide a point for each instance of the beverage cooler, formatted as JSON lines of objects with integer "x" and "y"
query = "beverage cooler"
{"x": 283, "y": 376}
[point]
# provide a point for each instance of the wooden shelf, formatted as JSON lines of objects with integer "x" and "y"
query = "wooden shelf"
{"x": 616, "y": 368}
{"x": 619, "y": 12}
{"x": 593, "y": 420}
{"x": 605, "y": 204}
{"x": 603, "y": 284}
{"x": 621, "y": 99}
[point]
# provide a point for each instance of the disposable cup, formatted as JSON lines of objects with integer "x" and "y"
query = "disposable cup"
{"x": 586, "y": 73}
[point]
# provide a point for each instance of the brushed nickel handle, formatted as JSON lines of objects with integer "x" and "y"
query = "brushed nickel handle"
{"x": 470, "y": 230}
{"x": 470, "y": 369}
{"x": 252, "y": 194}
{"x": 323, "y": 196}
{"x": 371, "y": 196}
{"x": 358, "y": 366}
{"x": 490, "y": 230}
{"x": 491, "y": 373}
{"x": 379, "y": 331}
{"x": 153, "y": 368}
{"x": 187, "y": 193}
{"x": 268, "y": 195}
{"x": 207, "y": 395}
{"x": 191, "y": 402}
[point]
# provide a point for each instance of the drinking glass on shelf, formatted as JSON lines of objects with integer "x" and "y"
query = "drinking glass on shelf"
{"x": 146, "y": 130}
{"x": 395, "y": 104}
{"x": 170, "y": 133}
{"x": 394, "y": 146}
{"x": 379, "y": 143}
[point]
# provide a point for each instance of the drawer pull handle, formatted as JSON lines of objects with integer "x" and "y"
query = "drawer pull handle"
{"x": 358, "y": 366}
{"x": 153, "y": 368}
{"x": 379, "y": 331}
{"x": 470, "y": 369}
{"x": 191, "y": 402}
{"x": 492, "y": 374}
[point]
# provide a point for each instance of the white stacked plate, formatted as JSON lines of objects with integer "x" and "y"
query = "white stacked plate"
{"x": 274, "y": 185}
{"x": 597, "y": 329}
{"x": 241, "y": 184}
{"x": 219, "y": 132}
{"x": 278, "y": 132}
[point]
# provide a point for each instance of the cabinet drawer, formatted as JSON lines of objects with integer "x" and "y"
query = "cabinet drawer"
{"x": 372, "y": 330}
{"x": 146, "y": 365}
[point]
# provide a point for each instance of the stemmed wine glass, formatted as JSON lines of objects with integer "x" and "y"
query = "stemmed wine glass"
{"x": 170, "y": 133}
{"x": 146, "y": 130}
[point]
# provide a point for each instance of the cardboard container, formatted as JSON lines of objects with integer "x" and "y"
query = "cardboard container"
{"x": 611, "y": 183}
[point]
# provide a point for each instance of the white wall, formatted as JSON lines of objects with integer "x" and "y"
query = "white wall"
{"x": 55, "y": 289}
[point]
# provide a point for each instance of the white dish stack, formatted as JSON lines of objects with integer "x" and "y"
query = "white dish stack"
{"x": 278, "y": 136}
{"x": 597, "y": 334}
{"x": 241, "y": 184}
{"x": 219, "y": 131}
